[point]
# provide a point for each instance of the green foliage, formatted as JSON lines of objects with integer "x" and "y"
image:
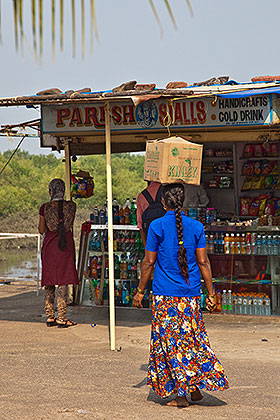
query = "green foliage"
{"x": 24, "y": 183}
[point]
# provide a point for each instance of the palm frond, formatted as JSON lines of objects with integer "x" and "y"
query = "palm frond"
{"x": 93, "y": 19}
{"x": 41, "y": 28}
{"x": 0, "y": 22}
{"x": 61, "y": 23}
{"x": 16, "y": 22}
{"x": 53, "y": 29}
{"x": 156, "y": 16}
{"x": 170, "y": 13}
{"x": 33, "y": 13}
{"x": 21, "y": 25}
{"x": 83, "y": 27}
{"x": 73, "y": 29}
{"x": 190, "y": 7}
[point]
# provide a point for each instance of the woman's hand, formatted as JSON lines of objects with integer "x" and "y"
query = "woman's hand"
{"x": 137, "y": 300}
{"x": 210, "y": 303}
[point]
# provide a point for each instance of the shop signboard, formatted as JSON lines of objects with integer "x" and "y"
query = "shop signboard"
{"x": 154, "y": 115}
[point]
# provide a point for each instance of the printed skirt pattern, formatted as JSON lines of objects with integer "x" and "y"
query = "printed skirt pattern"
{"x": 180, "y": 354}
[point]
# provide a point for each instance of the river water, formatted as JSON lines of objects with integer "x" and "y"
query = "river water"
{"x": 20, "y": 264}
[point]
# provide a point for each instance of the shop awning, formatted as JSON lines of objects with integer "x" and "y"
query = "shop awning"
{"x": 251, "y": 92}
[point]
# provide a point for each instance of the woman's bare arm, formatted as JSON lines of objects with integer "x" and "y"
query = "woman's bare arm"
{"x": 42, "y": 225}
{"x": 147, "y": 267}
{"x": 206, "y": 272}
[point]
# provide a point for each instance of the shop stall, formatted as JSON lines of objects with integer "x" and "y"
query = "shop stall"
{"x": 238, "y": 124}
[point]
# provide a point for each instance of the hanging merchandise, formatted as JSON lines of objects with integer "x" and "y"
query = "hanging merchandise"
{"x": 82, "y": 185}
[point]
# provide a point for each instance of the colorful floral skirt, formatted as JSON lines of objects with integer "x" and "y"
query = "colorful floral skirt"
{"x": 181, "y": 358}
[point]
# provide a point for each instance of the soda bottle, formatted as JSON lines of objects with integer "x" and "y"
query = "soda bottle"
{"x": 232, "y": 243}
{"x": 121, "y": 216}
{"x": 117, "y": 267}
{"x": 221, "y": 243}
{"x": 207, "y": 242}
{"x": 138, "y": 269}
{"x": 127, "y": 212}
{"x": 229, "y": 302}
{"x": 102, "y": 217}
{"x": 218, "y": 301}
{"x": 211, "y": 244}
{"x": 216, "y": 243}
{"x": 106, "y": 213}
{"x": 227, "y": 244}
{"x": 116, "y": 212}
{"x": 125, "y": 294}
{"x": 224, "y": 301}
{"x": 248, "y": 243}
{"x": 133, "y": 217}
{"x": 94, "y": 267}
{"x": 238, "y": 244}
{"x": 124, "y": 269}
{"x": 115, "y": 242}
{"x": 254, "y": 244}
{"x": 98, "y": 266}
{"x": 129, "y": 264}
{"x": 134, "y": 268}
{"x": 95, "y": 215}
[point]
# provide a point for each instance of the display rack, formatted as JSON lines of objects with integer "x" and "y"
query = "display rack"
{"x": 95, "y": 280}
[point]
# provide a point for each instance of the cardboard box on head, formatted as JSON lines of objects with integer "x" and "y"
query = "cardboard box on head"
{"x": 173, "y": 160}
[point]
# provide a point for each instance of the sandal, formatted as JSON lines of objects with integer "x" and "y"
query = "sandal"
{"x": 51, "y": 322}
{"x": 196, "y": 395}
{"x": 65, "y": 324}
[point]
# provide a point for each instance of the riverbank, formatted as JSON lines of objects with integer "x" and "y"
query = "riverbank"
{"x": 49, "y": 373}
{"x": 27, "y": 222}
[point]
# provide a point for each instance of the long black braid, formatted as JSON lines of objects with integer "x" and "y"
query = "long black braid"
{"x": 174, "y": 195}
{"x": 62, "y": 240}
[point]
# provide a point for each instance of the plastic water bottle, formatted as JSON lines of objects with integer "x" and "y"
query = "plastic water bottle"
{"x": 229, "y": 302}
{"x": 260, "y": 306}
{"x": 259, "y": 245}
{"x": 244, "y": 309}
{"x": 256, "y": 306}
{"x": 264, "y": 245}
{"x": 267, "y": 308}
{"x": 224, "y": 302}
{"x": 269, "y": 245}
{"x": 274, "y": 245}
{"x": 238, "y": 304}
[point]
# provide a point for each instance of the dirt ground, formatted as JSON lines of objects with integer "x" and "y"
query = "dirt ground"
{"x": 65, "y": 374}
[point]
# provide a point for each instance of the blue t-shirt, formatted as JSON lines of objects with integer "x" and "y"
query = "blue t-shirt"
{"x": 163, "y": 239}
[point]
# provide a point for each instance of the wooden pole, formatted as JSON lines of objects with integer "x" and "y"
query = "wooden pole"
{"x": 110, "y": 227}
{"x": 67, "y": 171}
{"x": 68, "y": 198}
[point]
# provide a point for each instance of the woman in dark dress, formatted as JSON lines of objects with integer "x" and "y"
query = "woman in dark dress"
{"x": 58, "y": 261}
{"x": 181, "y": 359}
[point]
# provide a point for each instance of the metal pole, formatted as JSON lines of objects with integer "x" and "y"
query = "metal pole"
{"x": 110, "y": 228}
{"x": 38, "y": 262}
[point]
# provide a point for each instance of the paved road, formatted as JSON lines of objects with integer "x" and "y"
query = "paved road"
{"x": 55, "y": 374}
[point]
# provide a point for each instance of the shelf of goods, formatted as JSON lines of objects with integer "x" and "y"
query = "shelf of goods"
{"x": 94, "y": 269}
{"x": 246, "y": 261}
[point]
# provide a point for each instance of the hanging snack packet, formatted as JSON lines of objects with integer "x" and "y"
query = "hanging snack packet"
{"x": 247, "y": 151}
{"x": 245, "y": 203}
{"x": 277, "y": 207}
{"x": 257, "y": 167}
{"x": 247, "y": 184}
{"x": 248, "y": 168}
{"x": 267, "y": 167}
{"x": 254, "y": 207}
{"x": 257, "y": 183}
{"x": 270, "y": 207}
{"x": 274, "y": 150}
{"x": 258, "y": 150}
